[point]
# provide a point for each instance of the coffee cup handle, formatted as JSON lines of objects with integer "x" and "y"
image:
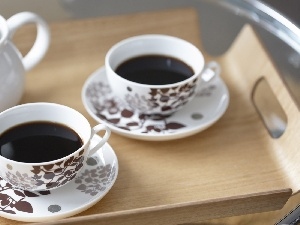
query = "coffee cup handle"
{"x": 42, "y": 41}
{"x": 210, "y": 71}
{"x": 104, "y": 139}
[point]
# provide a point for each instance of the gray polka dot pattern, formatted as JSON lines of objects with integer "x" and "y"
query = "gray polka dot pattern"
{"x": 54, "y": 208}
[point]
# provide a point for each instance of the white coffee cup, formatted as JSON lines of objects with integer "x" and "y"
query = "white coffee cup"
{"x": 13, "y": 65}
{"x": 55, "y": 173}
{"x": 156, "y": 98}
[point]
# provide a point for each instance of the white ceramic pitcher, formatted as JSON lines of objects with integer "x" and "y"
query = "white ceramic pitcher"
{"x": 13, "y": 65}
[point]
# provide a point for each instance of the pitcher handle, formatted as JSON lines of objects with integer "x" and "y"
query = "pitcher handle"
{"x": 42, "y": 41}
{"x": 3, "y": 31}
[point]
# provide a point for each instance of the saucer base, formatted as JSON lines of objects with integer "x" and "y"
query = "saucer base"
{"x": 90, "y": 186}
{"x": 209, "y": 104}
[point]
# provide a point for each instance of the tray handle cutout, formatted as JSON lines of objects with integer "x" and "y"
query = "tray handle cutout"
{"x": 260, "y": 75}
{"x": 269, "y": 108}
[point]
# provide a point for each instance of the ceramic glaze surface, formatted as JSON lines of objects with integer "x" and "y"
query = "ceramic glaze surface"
{"x": 91, "y": 185}
{"x": 11, "y": 76}
{"x": 52, "y": 174}
{"x": 13, "y": 65}
{"x": 208, "y": 106}
{"x": 153, "y": 98}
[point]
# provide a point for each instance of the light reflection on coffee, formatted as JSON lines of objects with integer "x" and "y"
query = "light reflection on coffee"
{"x": 154, "y": 70}
{"x": 38, "y": 141}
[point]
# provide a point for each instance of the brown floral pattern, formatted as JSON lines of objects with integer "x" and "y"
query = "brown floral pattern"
{"x": 49, "y": 176}
{"x": 164, "y": 100}
{"x": 112, "y": 110}
{"x": 13, "y": 200}
{"x": 90, "y": 185}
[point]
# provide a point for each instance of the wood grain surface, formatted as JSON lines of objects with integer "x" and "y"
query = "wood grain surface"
{"x": 230, "y": 169}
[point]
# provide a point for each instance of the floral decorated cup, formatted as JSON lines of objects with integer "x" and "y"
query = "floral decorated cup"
{"x": 13, "y": 65}
{"x": 55, "y": 173}
{"x": 161, "y": 99}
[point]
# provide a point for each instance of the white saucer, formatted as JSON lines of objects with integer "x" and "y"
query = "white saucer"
{"x": 91, "y": 185}
{"x": 204, "y": 110}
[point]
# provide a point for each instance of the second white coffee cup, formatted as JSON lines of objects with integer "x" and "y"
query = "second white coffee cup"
{"x": 157, "y": 74}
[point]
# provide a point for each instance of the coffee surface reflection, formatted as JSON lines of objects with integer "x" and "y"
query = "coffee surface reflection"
{"x": 37, "y": 142}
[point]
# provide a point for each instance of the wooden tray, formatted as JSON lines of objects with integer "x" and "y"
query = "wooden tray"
{"x": 232, "y": 168}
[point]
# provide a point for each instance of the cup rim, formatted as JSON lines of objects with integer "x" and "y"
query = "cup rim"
{"x": 160, "y": 36}
{"x": 52, "y": 161}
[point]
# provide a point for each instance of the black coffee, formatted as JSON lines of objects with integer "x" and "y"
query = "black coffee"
{"x": 154, "y": 70}
{"x": 37, "y": 142}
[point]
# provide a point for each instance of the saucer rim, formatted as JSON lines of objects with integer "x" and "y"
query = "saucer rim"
{"x": 153, "y": 136}
{"x": 91, "y": 202}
